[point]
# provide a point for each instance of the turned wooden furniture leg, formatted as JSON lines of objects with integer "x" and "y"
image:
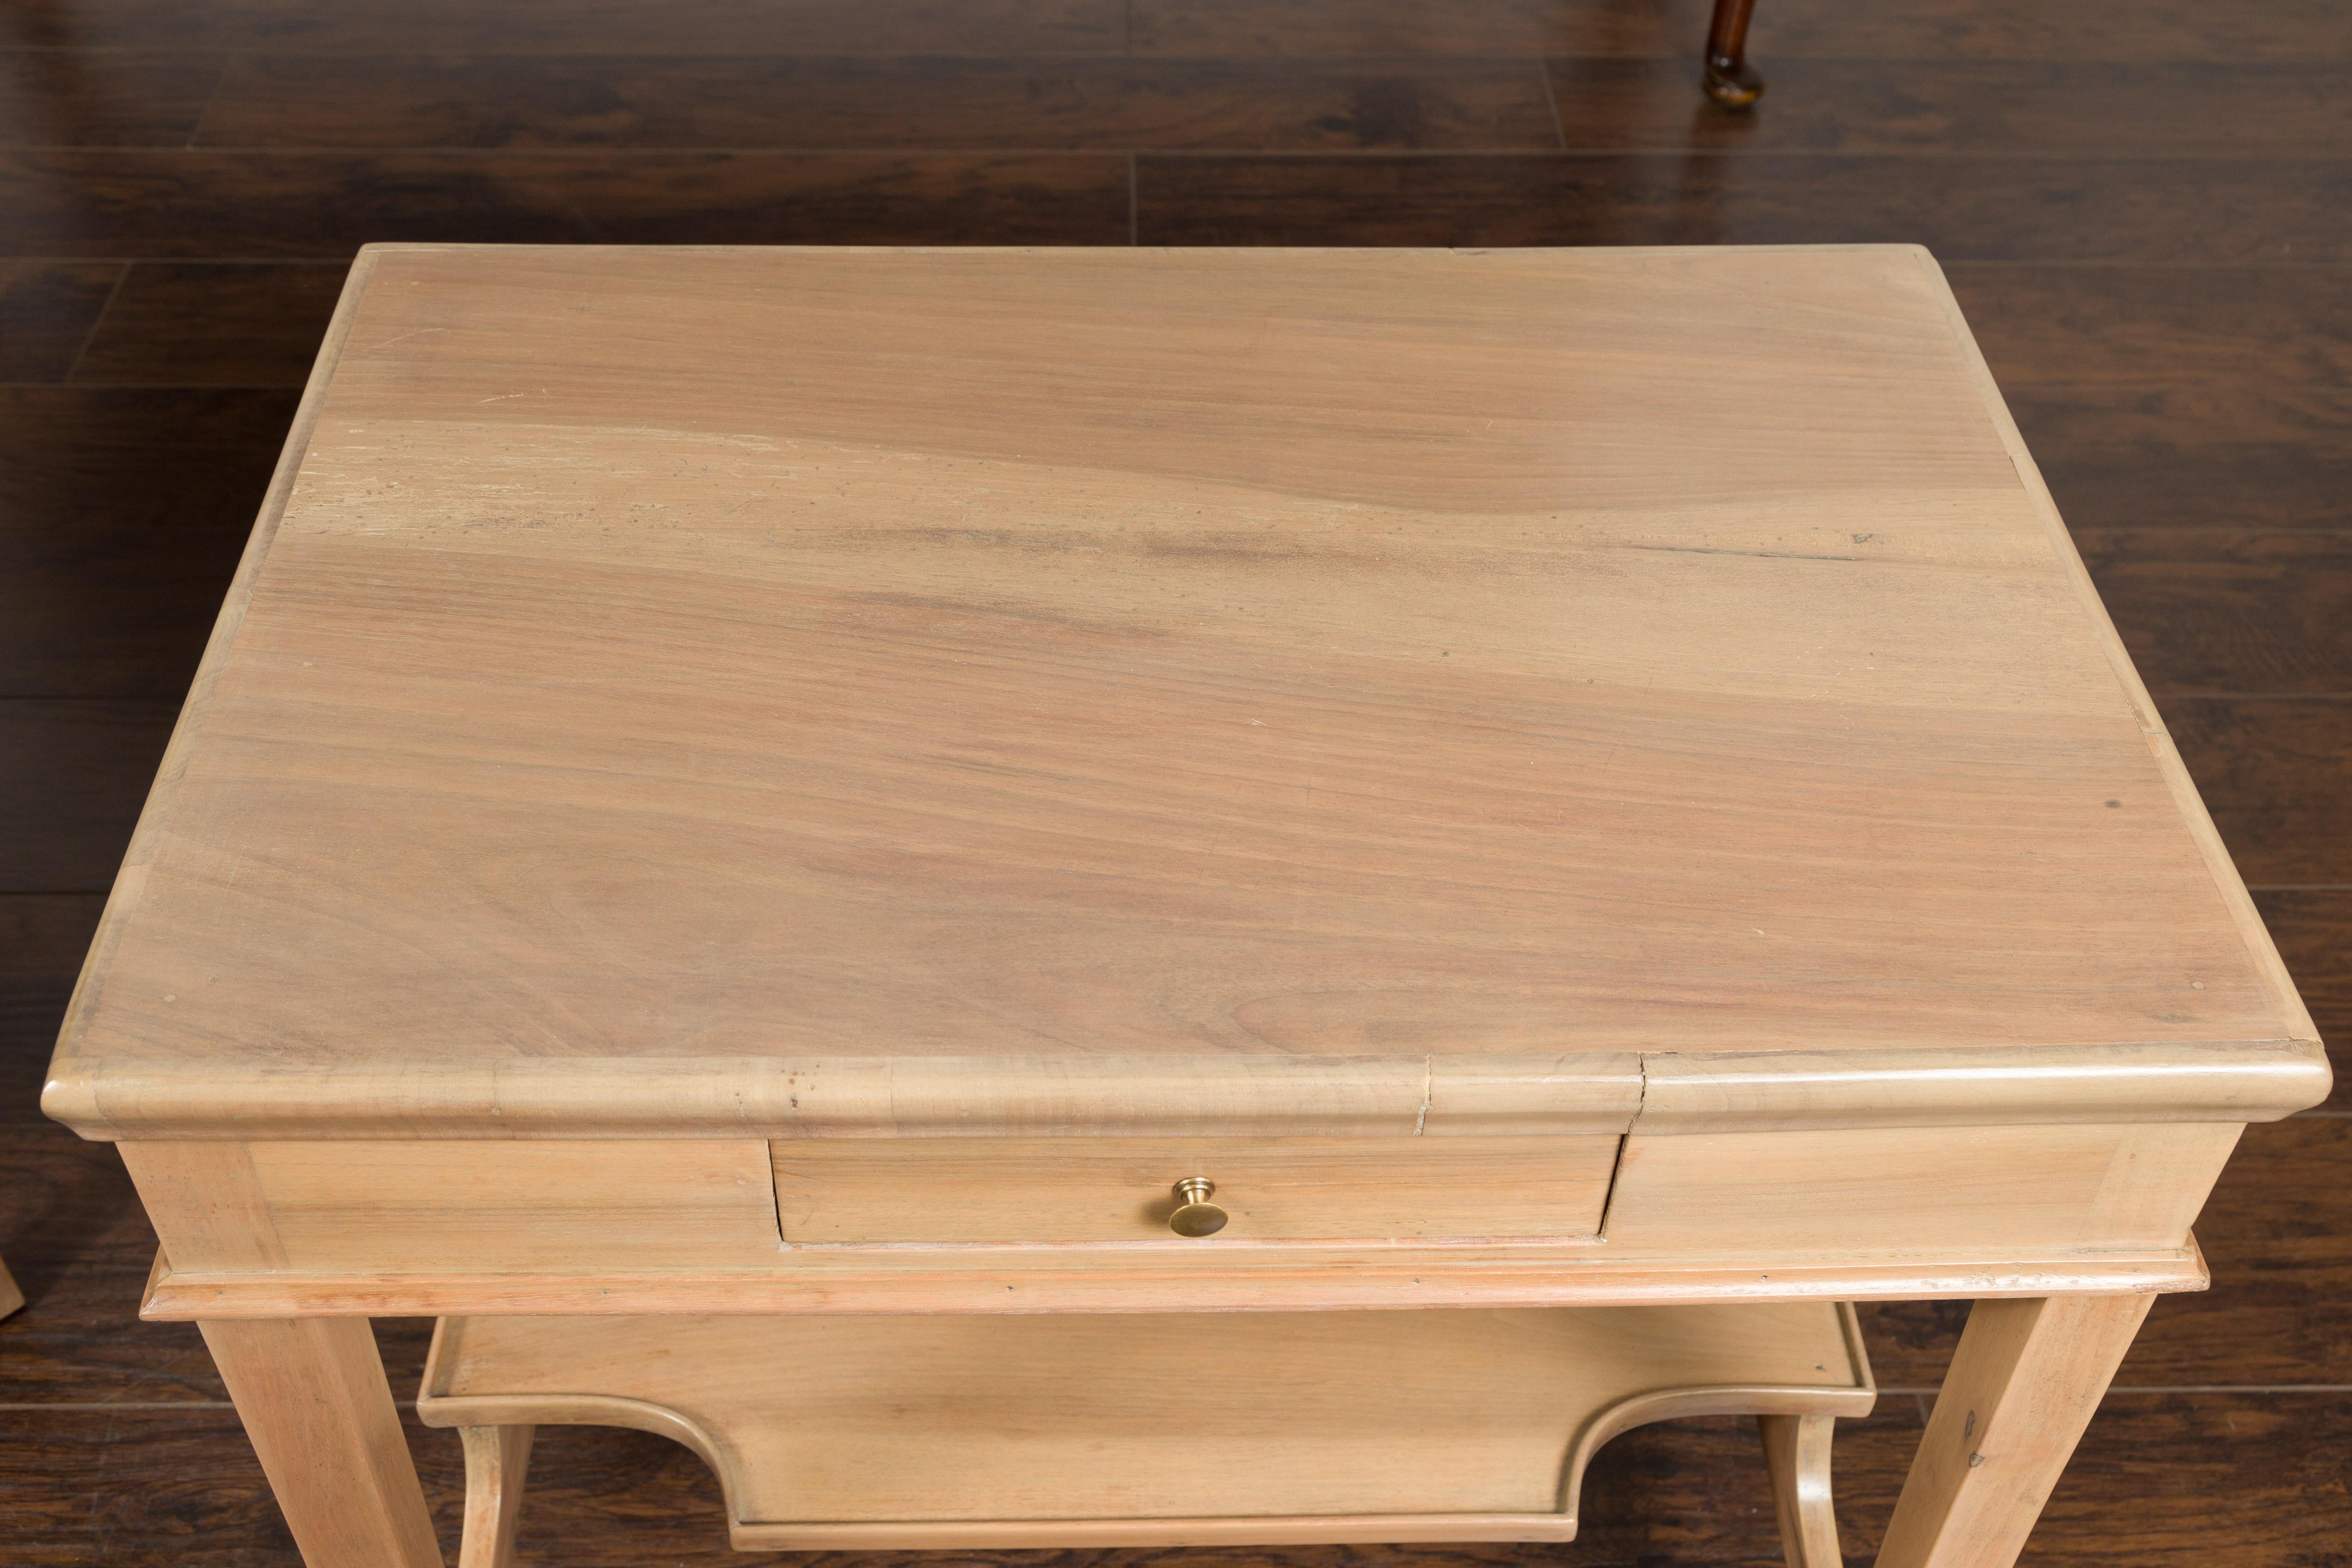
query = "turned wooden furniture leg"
{"x": 2024, "y": 1384}
{"x": 315, "y": 1404}
{"x": 497, "y": 1460}
{"x": 1797, "y": 1455}
{"x": 1728, "y": 79}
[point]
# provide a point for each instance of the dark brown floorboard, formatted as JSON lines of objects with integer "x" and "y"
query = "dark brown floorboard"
{"x": 2312, "y": 928}
{"x": 1942, "y": 106}
{"x": 599, "y": 27}
{"x": 137, "y": 202}
{"x": 46, "y": 311}
{"x": 1282, "y": 104}
{"x": 2273, "y": 771}
{"x": 2146, "y": 210}
{"x": 122, "y": 515}
{"x": 2107, "y": 470}
{"x": 73, "y": 774}
{"x": 2174, "y": 396}
{"x": 1962, "y": 207}
{"x": 2281, "y": 31}
{"x": 42, "y": 939}
{"x": 56, "y": 99}
{"x": 210, "y": 324}
{"x": 2215, "y": 1481}
{"x": 747, "y": 102}
{"x": 2216, "y": 612}
{"x": 2213, "y": 353}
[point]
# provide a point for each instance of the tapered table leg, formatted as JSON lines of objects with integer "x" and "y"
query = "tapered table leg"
{"x": 315, "y": 1403}
{"x": 2024, "y": 1384}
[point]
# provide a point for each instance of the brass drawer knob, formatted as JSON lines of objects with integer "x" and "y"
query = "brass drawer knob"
{"x": 1195, "y": 1215}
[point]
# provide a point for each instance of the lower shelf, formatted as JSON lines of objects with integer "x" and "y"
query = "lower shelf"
{"x": 1180, "y": 1429}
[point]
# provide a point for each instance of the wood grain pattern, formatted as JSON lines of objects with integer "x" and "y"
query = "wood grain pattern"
{"x": 83, "y": 1248}
{"x": 1962, "y": 207}
{"x": 1033, "y": 1431}
{"x": 121, "y": 513}
{"x": 2215, "y": 612}
{"x": 2272, "y": 770}
{"x": 2025, "y": 1382}
{"x": 2313, "y": 927}
{"x": 2168, "y": 345}
{"x": 71, "y": 776}
{"x": 212, "y": 324}
{"x": 703, "y": 26}
{"x": 1986, "y": 1192}
{"x": 314, "y": 1402}
{"x": 748, "y": 101}
{"x": 1153, "y": 894}
{"x": 2175, "y": 1481}
{"x": 1279, "y": 1277}
{"x": 46, "y": 311}
{"x": 1960, "y": 106}
{"x": 2140, "y": 393}
{"x": 43, "y": 938}
{"x": 2199, "y": 403}
{"x": 59, "y": 99}
{"x": 1293, "y": 28}
{"x": 2112, "y": 469}
{"x": 349, "y": 1206}
{"x": 176, "y": 204}
{"x": 2276, "y": 1314}
{"x": 2286, "y": 31}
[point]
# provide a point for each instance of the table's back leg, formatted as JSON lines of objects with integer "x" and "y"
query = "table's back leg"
{"x": 1797, "y": 1455}
{"x": 1726, "y": 78}
{"x": 315, "y": 1403}
{"x": 498, "y": 1459}
{"x": 2024, "y": 1383}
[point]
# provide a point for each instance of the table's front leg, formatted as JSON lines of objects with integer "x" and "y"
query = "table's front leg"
{"x": 315, "y": 1402}
{"x": 2025, "y": 1381}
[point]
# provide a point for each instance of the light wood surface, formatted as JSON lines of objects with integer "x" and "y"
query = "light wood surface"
{"x": 1265, "y": 1096}
{"x": 1360, "y": 659}
{"x": 2024, "y": 1384}
{"x": 1118, "y": 1189}
{"x": 325, "y": 1207}
{"x": 1954, "y": 1192}
{"x": 11, "y": 1298}
{"x": 417, "y": 1226}
{"x": 773, "y": 787}
{"x": 1183, "y": 1427}
{"x": 312, "y": 1396}
{"x": 1797, "y": 1457}
{"x": 497, "y": 1467}
{"x": 1283, "y": 1276}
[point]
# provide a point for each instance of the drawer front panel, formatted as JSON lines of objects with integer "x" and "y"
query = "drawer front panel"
{"x": 946, "y": 1190}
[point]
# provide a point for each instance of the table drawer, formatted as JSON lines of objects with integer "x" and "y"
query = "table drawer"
{"x": 941, "y": 1190}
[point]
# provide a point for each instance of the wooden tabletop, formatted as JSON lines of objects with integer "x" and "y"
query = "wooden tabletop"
{"x": 878, "y": 688}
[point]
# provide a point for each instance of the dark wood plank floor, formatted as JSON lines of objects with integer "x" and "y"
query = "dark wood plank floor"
{"x": 2147, "y": 210}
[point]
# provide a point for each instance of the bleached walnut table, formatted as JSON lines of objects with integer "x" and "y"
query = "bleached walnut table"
{"x": 1084, "y": 897}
